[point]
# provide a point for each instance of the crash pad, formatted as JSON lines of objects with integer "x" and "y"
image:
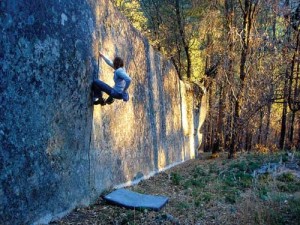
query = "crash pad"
{"x": 130, "y": 199}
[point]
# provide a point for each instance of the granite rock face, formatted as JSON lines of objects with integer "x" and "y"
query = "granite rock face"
{"x": 57, "y": 151}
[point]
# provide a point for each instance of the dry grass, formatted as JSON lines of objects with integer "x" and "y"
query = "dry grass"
{"x": 207, "y": 191}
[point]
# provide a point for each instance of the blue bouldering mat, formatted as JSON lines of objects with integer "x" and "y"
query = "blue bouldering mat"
{"x": 132, "y": 199}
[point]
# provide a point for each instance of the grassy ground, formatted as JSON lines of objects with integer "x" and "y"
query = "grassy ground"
{"x": 210, "y": 191}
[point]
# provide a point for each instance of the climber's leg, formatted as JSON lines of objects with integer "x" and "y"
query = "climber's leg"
{"x": 98, "y": 101}
{"x": 113, "y": 95}
{"x": 98, "y": 87}
{"x": 109, "y": 100}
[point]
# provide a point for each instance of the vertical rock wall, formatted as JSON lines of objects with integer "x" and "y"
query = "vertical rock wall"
{"x": 58, "y": 151}
{"x": 45, "y": 119}
{"x": 145, "y": 134}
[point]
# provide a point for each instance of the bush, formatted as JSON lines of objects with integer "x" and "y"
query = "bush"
{"x": 199, "y": 171}
{"x": 203, "y": 198}
{"x": 240, "y": 166}
{"x": 240, "y": 180}
{"x": 244, "y": 180}
{"x": 270, "y": 216}
{"x": 289, "y": 187}
{"x": 286, "y": 177}
{"x": 230, "y": 198}
{"x": 176, "y": 178}
{"x": 294, "y": 208}
{"x": 253, "y": 166}
{"x": 263, "y": 193}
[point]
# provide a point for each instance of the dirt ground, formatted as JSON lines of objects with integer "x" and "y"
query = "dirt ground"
{"x": 200, "y": 191}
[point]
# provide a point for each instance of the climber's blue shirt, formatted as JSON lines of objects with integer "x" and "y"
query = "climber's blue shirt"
{"x": 121, "y": 78}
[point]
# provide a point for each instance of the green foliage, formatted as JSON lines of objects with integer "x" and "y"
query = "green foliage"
{"x": 288, "y": 183}
{"x": 289, "y": 187}
{"x": 263, "y": 192}
{"x": 244, "y": 180}
{"x": 198, "y": 63}
{"x": 248, "y": 165}
{"x": 203, "y": 199}
{"x": 229, "y": 180}
{"x": 176, "y": 178}
{"x": 182, "y": 206}
{"x": 128, "y": 218}
{"x": 285, "y": 158}
{"x": 240, "y": 166}
{"x": 201, "y": 183}
{"x": 231, "y": 197}
{"x": 270, "y": 216}
{"x": 197, "y": 202}
{"x": 238, "y": 179}
{"x": 294, "y": 209}
{"x": 252, "y": 165}
{"x": 264, "y": 178}
{"x": 132, "y": 10}
{"x": 199, "y": 171}
{"x": 206, "y": 197}
{"x": 213, "y": 168}
{"x": 286, "y": 177}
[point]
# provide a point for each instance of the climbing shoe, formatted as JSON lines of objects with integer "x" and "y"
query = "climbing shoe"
{"x": 109, "y": 100}
{"x": 99, "y": 101}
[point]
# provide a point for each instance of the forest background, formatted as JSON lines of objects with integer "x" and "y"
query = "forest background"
{"x": 244, "y": 54}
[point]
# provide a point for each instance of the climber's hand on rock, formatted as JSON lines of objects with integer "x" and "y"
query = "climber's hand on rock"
{"x": 100, "y": 54}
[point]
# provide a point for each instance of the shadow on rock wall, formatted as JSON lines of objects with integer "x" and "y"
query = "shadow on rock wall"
{"x": 46, "y": 56}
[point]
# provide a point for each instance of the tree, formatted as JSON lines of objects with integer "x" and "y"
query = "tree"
{"x": 249, "y": 10}
{"x": 291, "y": 81}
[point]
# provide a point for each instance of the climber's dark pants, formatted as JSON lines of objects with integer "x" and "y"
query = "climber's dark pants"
{"x": 99, "y": 87}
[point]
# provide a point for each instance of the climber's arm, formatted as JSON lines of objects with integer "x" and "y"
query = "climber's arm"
{"x": 107, "y": 60}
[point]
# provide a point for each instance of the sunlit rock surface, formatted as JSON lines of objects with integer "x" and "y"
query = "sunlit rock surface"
{"x": 57, "y": 150}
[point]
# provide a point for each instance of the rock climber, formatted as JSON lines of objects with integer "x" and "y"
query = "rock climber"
{"x": 122, "y": 81}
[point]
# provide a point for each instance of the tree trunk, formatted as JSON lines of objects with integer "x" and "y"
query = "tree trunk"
{"x": 284, "y": 111}
{"x": 248, "y": 144}
{"x": 211, "y": 135}
{"x": 298, "y": 142}
{"x": 291, "y": 136}
{"x": 209, "y": 125}
{"x": 229, "y": 127}
{"x": 236, "y": 116}
{"x": 182, "y": 36}
{"x": 229, "y": 14}
{"x": 219, "y": 142}
{"x": 261, "y": 116}
{"x": 268, "y": 124}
